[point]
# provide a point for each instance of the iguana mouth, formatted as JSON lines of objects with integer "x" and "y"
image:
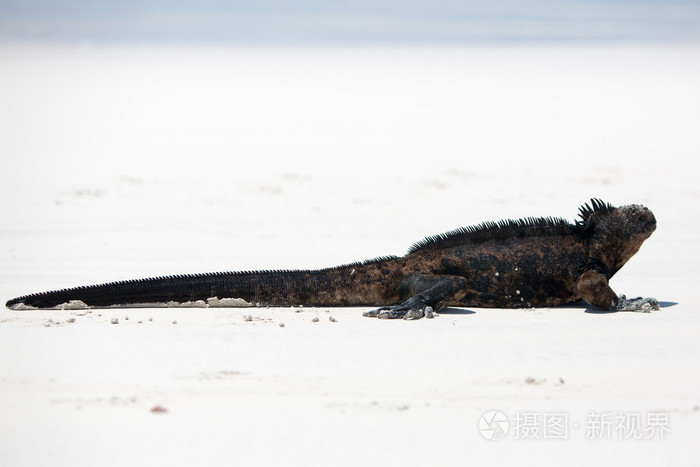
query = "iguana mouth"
{"x": 641, "y": 219}
{"x": 650, "y": 224}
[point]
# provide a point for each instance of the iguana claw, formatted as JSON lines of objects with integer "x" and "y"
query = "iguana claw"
{"x": 645, "y": 305}
{"x": 402, "y": 311}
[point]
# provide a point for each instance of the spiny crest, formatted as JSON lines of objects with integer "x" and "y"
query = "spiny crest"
{"x": 501, "y": 230}
{"x": 597, "y": 205}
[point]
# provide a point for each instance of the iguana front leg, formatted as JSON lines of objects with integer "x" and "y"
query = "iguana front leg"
{"x": 426, "y": 291}
{"x": 593, "y": 287}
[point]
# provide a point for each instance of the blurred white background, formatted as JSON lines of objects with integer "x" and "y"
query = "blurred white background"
{"x": 142, "y": 138}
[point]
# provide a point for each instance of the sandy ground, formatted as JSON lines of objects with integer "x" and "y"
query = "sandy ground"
{"x": 121, "y": 163}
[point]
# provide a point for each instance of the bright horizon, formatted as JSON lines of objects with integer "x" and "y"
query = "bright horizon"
{"x": 346, "y": 22}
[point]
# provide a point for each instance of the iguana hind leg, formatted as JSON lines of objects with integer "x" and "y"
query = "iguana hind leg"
{"x": 427, "y": 292}
{"x": 593, "y": 287}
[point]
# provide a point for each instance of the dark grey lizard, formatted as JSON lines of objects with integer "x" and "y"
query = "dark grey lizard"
{"x": 532, "y": 262}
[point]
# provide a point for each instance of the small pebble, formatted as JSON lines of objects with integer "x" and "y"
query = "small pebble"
{"x": 332, "y": 319}
{"x": 159, "y": 409}
{"x": 247, "y": 318}
{"x": 70, "y": 320}
{"x": 281, "y": 325}
{"x": 150, "y": 319}
{"x": 126, "y": 318}
{"x": 140, "y": 322}
{"x": 315, "y": 320}
{"x": 114, "y": 321}
{"x": 531, "y": 380}
{"x": 174, "y": 322}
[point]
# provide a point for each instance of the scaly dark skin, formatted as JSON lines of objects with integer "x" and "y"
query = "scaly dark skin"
{"x": 534, "y": 262}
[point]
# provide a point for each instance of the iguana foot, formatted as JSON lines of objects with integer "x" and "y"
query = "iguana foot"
{"x": 405, "y": 311}
{"x": 645, "y": 305}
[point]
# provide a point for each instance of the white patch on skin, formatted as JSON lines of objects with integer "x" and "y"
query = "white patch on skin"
{"x": 196, "y": 304}
{"x": 21, "y": 306}
{"x": 210, "y": 302}
{"x": 170, "y": 304}
{"x": 142, "y": 305}
{"x": 72, "y": 305}
{"x": 227, "y": 302}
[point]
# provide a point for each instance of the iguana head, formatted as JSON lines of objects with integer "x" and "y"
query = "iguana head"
{"x": 617, "y": 233}
{"x": 641, "y": 222}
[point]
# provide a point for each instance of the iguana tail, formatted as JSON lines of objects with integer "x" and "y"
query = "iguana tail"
{"x": 342, "y": 286}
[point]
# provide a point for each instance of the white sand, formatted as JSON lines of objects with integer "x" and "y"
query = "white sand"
{"x": 120, "y": 163}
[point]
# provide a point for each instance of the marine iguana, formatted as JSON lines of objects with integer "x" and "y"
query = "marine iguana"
{"x": 530, "y": 262}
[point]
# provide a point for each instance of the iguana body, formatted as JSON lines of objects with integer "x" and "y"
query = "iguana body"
{"x": 510, "y": 264}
